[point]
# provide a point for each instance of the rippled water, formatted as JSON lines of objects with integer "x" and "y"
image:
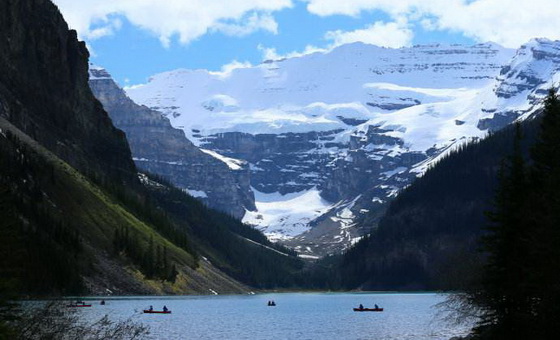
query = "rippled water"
{"x": 297, "y": 316}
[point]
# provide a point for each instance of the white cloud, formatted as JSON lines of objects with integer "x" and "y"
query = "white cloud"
{"x": 507, "y": 22}
{"x": 254, "y": 23}
{"x": 107, "y": 28}
{"x": 393, "y": 34}
{"x": 186, "y": 19}
{"x": 355, "y": 7}
{"x": 270, "y": 53}
{"x": 228, "y": 68}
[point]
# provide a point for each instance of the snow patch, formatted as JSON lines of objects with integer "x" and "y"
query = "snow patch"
{"x": 285, "y": 216}
{"x": 393, "y": 172}
{"x": 232, "y": 163}
{"x": 196, "y": 193}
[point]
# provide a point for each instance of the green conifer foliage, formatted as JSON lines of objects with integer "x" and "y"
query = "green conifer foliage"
{"x": 519, "y": 295}
{"x": 505, "y": 297}
{"x": 543, "y": 211}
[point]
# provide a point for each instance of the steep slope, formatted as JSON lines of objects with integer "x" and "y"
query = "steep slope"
{"x": 518, "y": 90}
{"x": 53, "y": 133}
{"x": 161, "y": 149}
{"x": 66, "y": 229}
{"x": 43, "y": 70}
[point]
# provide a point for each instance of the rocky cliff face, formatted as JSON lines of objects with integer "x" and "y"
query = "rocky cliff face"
{"x": 44, "y": 91}
{"x": 519, "y": 88}
{"x": 159, "y": 148}
{"x": 283, "y": 163}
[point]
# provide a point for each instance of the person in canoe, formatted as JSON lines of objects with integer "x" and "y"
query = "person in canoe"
{"x": 151, "y": 308}
{"x": 102, "y": 302}
{"x": 361, "y": 306}
{"x": 376, "y": 306}
{"x": 165, "y": 308}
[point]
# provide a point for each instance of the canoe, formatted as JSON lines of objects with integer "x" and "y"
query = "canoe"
{"x": 78, "y": 305}
{"x": 368, "y": 309}
{"x": 157, "y": 311}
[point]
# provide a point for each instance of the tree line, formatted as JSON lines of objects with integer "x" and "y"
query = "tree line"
{"x": 152, "y": 260}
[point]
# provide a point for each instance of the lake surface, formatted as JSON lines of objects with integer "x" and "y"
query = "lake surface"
{"x": 299, "y": 316}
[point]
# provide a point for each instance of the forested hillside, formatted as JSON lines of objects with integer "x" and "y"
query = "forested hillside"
{"x": 239, "y": 250}
{"x": 428, "y": 238}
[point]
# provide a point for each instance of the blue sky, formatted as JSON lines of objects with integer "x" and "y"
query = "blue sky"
{"x": 135, "y": 41}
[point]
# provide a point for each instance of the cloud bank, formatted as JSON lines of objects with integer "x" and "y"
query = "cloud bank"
{"x": 392, "y": 34}
{"x": 507, "y": 22}
{"x": 185, "y": 19}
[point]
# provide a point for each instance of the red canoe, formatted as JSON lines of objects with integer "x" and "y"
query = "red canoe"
{"x": 79, "y": 305}
{"x": 157, "y": 311}
{"x": 368, "y": 309}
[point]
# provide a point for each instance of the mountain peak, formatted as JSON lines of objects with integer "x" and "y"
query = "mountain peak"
{"x": 98, "y": 72}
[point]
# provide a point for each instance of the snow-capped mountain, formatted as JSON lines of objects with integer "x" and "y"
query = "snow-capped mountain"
{"x": 332, "y": 136}
{"x": 522, "y": 83}
{"x": 318, "y": 92}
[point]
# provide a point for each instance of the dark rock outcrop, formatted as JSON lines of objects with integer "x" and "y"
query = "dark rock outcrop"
{"x": 44, "y": 91}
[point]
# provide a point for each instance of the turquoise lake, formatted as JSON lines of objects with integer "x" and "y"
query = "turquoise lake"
{"x": 296, "y": 316}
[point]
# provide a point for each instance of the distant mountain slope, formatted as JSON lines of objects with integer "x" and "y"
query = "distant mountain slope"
{"x": 161, "y": 149}
{"x": 320, "y": 91}
{"x": 238, "y": 249}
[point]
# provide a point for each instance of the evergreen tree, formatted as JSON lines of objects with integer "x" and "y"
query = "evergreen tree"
{"x": 544, "y": 212}
{"x": 149, "y": 259}
{"x": 519, "y": 296}
{"x": 504, "y": 296}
